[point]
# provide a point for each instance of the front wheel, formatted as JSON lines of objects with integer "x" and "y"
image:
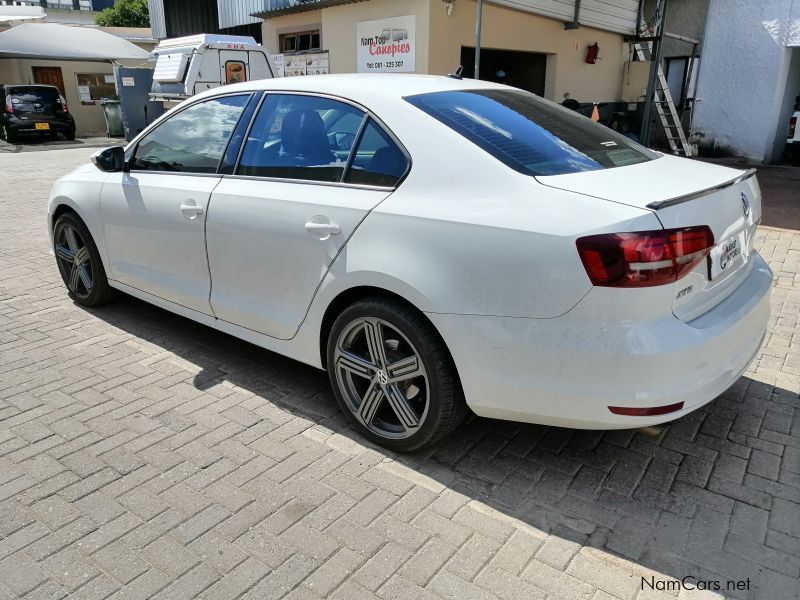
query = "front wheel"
{"x": 79, "y": 262}
{"x": 392, "y": 375}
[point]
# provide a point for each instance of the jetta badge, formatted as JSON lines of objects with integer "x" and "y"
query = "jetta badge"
{"x": 746, "y": 206}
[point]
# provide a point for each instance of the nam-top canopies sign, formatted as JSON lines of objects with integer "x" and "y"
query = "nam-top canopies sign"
{"x": 386, "y": 45}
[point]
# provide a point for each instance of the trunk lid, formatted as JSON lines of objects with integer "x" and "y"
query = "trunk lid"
{"x": 35, "y": 102}
{"x": 683, "y": 193}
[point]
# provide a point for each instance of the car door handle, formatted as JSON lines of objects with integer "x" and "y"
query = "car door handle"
{"x": 323, "y": 230}
{"x": 191, "y": 209}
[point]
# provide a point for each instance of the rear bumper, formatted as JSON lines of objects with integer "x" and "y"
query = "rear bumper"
{"x": 29, "y": 127}
{"x": 567, "y": 371}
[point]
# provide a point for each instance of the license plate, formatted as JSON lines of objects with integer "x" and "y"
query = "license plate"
{"x": 42, "y": 126}
{"x": 726, "y": 256}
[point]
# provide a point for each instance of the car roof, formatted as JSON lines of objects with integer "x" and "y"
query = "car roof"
{"x": 360, "y": 86}
{"x": 29, "y": 85}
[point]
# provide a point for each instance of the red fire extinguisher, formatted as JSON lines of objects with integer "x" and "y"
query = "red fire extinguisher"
{"x": 591, "y": 53}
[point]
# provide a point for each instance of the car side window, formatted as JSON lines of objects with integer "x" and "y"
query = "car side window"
{"x": 193, "y": 140}
{"x": 378, "y": 160}
{"x": 300, "y": 137}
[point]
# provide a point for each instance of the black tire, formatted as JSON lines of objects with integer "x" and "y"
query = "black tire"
{"x": 70, "y": 135}
{"x": 99, "y": 292}
{"x": 445, "y": 407}
{"x": 9, "y": 135}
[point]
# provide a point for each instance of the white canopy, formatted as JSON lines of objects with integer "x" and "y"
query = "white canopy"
{"x": 59, "y": 42}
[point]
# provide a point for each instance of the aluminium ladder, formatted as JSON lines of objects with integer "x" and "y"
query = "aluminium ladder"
{"x": 665, "y": 106}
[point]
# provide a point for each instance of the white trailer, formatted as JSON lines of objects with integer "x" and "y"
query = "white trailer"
{"x": 189, "y": 65}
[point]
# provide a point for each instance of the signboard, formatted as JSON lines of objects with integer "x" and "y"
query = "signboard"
{"x": 278, "y": 63}
{"x": 312, "y": 63}
{"x": 386, "y": 45}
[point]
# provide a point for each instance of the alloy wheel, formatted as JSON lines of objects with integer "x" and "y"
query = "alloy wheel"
{"x": 382, "y": 378}
{"x": 74, "y": 260}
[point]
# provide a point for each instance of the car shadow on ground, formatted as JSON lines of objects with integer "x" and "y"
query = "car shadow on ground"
{"x": 694, "y": 500}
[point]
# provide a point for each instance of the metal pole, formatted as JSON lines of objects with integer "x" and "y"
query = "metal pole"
{"x": 478, "y": 26}
{"x": 655, "y": 62}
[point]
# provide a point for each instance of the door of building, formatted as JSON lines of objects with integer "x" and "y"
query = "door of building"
{"x": 49, "y": 76}
{"x": 525, "y": 70}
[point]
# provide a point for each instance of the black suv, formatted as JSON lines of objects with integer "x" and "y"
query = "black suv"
{"x": 34, "y": 109}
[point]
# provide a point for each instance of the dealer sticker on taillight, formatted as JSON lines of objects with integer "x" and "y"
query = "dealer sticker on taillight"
{"x": 727, "y": 256}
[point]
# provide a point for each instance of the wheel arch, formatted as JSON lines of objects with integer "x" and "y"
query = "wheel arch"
{"x": 352, "y": 295}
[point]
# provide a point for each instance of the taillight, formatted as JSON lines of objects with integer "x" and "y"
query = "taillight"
{"x": 644, "y": 258}
{"x": 63, "y": 104}
{"x": 9, "y": 105}
{"x": 792, "y": 125}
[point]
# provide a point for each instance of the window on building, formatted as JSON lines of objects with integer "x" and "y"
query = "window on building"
{"x": 301, "y": 137}
{"x": 193, "y": 140}
{"x": 93, "y": 87}
{"x": 299, "y": 41}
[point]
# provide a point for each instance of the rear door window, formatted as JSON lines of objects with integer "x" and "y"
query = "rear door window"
{"x": 530, "y": 134}
{"x": 377, "y": 160}
{"x": 300, "y": 137}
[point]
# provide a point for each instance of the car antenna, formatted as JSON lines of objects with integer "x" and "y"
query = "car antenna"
{"x": 457, "y": 74}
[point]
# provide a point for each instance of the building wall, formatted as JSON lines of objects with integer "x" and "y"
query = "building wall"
{"x": 503, "y": 28}
{"x": 89, "y": 119}
{"x": 440, "y": 38}
{"x": 684, "y": 17}
{"x": 743, "y": 75}
{"x": 338, "y": 28}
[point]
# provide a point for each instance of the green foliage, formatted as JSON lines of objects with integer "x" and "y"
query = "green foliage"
{"x": 125, "y": 13}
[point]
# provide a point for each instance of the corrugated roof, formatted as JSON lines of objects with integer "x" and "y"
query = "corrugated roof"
{"x": 297, "y": 6}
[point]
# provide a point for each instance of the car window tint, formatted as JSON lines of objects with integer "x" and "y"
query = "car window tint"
{"x": 193, "y": 140}
{"x": 300, "y": 137}
{"x": 378, "y": 160}
{"x": 530, "y": 134}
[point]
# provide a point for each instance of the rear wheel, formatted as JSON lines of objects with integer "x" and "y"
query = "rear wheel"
{"x": 392, "y": 375}
{"x": 79, "y": 262}
{"x": 70, "y": 135}
{"x": 8, "y": 135}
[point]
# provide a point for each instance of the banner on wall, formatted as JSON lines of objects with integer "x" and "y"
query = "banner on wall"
{"x": 294, "y": 65}
{"x": 386, "y": 45}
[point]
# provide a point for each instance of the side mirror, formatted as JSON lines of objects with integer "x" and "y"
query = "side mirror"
{"x": 110, "y": 160}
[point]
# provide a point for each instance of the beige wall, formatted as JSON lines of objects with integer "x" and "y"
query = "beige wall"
{"x": 440, "y": 37}
{"x": 503, "y": 28}
{"x": 338, "y": 28}
{"x": 89, "y": 119}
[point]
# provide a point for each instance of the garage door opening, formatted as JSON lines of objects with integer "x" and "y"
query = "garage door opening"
{"x": 525, "y": 70}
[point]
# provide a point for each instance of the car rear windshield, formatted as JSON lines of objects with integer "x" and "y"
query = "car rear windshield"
{"x": 34, "y": 94}
{"x": 530, "y": 134}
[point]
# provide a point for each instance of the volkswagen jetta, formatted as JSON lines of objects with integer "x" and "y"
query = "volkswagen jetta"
{"x": 434, "y": 244}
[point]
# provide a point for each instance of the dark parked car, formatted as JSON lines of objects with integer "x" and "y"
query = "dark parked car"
{"x": 34, "y": 109}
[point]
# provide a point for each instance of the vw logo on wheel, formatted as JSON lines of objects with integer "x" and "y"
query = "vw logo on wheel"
{"x": 383, "y": 378}
{"x": 746, "y": 206}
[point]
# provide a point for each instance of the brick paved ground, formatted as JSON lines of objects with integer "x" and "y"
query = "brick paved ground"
{"x": 142, "y": 455}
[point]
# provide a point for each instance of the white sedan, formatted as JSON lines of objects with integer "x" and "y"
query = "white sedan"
{"x": 434, "y": 244}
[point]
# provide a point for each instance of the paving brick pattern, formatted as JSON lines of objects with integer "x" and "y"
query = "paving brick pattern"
{"x": 145, "y": 456}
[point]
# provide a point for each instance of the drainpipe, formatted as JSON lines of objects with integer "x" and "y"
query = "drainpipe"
{"x": 478, "y": 26}
{"x": 655, "y": 63}
{"x": 576, "y": 18}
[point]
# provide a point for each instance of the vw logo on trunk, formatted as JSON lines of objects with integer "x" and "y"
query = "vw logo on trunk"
{"x": 745, "y": 206}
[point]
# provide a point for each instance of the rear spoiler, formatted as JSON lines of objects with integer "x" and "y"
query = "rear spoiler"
{"x": 678, "y": 199}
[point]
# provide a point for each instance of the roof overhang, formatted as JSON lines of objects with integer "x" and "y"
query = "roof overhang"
{"x": 289, "y": 7}
{"x": 50, "y": 41}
